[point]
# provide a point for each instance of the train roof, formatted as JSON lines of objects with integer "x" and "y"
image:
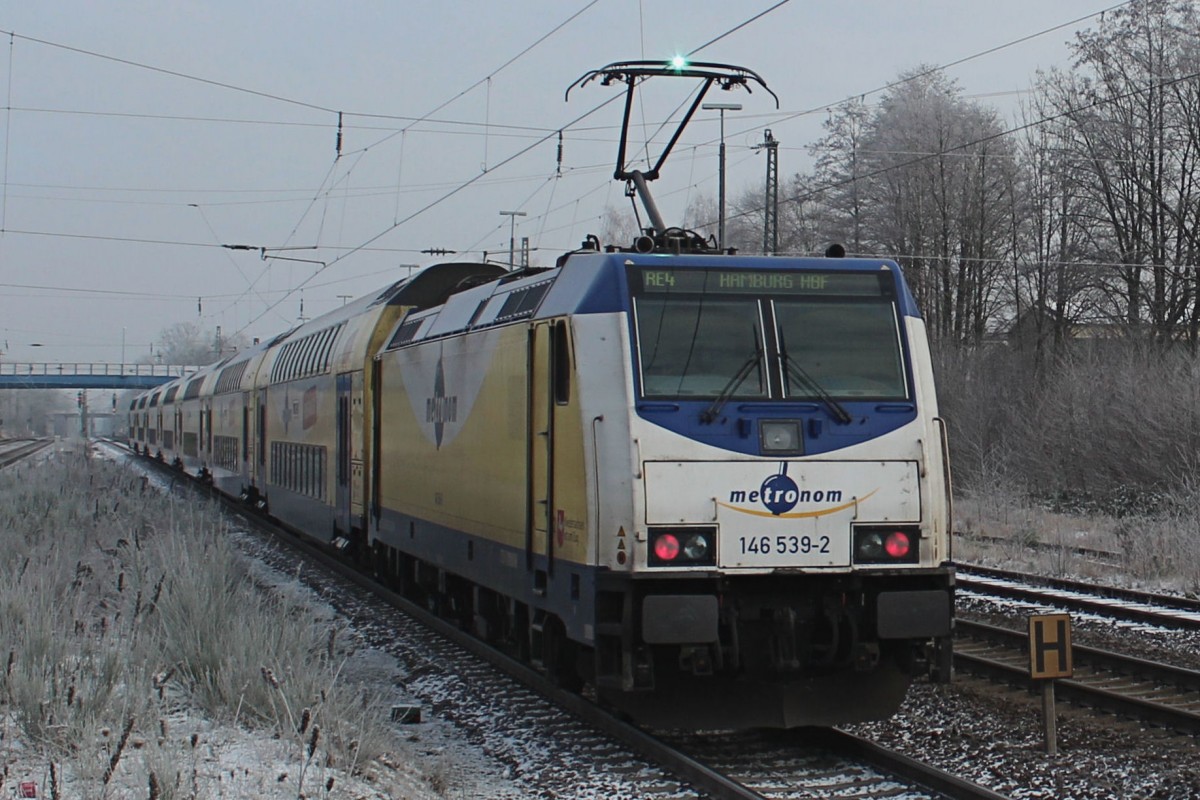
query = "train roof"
{"x": 592, "y": 283}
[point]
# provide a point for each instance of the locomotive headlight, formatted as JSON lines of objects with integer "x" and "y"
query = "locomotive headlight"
{"x": 870, "y": 547}
{"x": 781, "y": 437}
{"x": 697, "y": 547}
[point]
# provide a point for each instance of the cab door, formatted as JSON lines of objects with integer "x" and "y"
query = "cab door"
{"x": 540, "y": 456}
{"x": 548, "y": 389}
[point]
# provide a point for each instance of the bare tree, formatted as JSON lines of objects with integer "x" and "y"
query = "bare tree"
{"x": 1053, "y": 288}
{"x": 188, "y": 343}
{"x": 835, "y": 189}
{"x": 926, "y": 178}
{"x": 618, "y": 227}
{"x": 1131, "y": 128}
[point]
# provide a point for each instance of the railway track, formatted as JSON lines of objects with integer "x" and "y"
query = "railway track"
{"x": 1109, "y": 601}
{"x": 734, "y": 766}
{"x": 1130, "y": 686}
{"x": 13, "y": 450}
{"x": 738, "y": 766}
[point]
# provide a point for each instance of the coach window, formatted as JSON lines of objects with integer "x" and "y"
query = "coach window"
{"x": 297, "y": 363}
{"x": 277, "y": 369}
{"x": 327, "y": 347}
{"x": 310, "y": 354}
{"x": 298, "y": 360}
{"x": 293, "y": 355}
{"x": 302, "y": 346}
{"x": 292, "y": 352}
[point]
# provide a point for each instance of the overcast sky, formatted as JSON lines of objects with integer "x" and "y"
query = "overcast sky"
{"x": 140, "y": 137}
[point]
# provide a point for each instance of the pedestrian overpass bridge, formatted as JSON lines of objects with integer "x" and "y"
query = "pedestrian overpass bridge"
{"x": 48, "y": 375}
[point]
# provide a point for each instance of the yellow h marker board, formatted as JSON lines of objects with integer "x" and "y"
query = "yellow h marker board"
{"x": 1050, "y": 646}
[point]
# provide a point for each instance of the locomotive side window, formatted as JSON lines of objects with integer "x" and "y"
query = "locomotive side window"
{"x": 561, "y": 345}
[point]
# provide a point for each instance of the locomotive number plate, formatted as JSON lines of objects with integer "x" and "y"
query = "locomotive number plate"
{"x": 783, "y": 545}
{"x": 784, "y": 550}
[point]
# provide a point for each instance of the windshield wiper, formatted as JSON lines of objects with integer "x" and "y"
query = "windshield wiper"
{"x": 797, "y": 374}
{"x": 711, "y": 413}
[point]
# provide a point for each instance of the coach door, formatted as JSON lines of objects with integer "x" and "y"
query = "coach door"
{"x": 342, "y": 490}
{"x": 259, "y": 467}
{"x": 547, "y": 343}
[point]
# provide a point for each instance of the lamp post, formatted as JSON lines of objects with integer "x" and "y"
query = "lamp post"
{"x": 512, "y": 235}
{"x": 721, "y": 107}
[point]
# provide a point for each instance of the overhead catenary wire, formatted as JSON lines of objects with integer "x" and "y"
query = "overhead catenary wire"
{"x": 940, "y": 68}
{"x": 565, "y": 204}
{"x": 7, "y": 135}
{"x": 363, "y": 150}
{"x": 1073, "y": 109}
{"x": 504, "y": 162}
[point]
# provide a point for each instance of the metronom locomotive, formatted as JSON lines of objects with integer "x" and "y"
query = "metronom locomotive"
{"x": 712, "y": 487}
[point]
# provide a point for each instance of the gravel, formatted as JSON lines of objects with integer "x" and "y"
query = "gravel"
{"x": 470, "y": 745}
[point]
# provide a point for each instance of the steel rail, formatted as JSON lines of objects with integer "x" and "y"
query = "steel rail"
{"x": 924, "y": 775}
{"x": 1082, "y": 689}
{"x": 1163, "y": 610}
{"x": 15, "y": 454}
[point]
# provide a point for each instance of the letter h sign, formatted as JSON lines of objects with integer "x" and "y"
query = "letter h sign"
{"x": 1050, "y": 646}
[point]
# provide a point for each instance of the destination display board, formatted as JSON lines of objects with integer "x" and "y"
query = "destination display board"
{"x": 761, "y": 281}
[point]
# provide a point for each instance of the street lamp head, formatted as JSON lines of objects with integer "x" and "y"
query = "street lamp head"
{"x": 722, "y": 106}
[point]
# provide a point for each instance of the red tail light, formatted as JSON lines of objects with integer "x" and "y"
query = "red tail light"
{"x": 666, "y": 547}
{"x": 897, "y": 544}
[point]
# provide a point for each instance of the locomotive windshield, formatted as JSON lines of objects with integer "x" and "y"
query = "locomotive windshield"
{"x": 694, "y": 346}
{"x": 756, "y": 334}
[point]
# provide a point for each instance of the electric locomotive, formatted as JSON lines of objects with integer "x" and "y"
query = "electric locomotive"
{"x": 713, "y": 487}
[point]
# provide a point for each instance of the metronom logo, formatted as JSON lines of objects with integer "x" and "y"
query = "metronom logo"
{"x": 779, "y": 494}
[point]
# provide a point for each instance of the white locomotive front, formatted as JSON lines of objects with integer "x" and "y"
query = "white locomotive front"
{"x": 786, "y": 531}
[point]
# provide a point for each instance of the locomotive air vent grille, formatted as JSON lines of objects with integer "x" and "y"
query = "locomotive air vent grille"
{"x": 523, "y": 302}
{"x": 405, "y": 333}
